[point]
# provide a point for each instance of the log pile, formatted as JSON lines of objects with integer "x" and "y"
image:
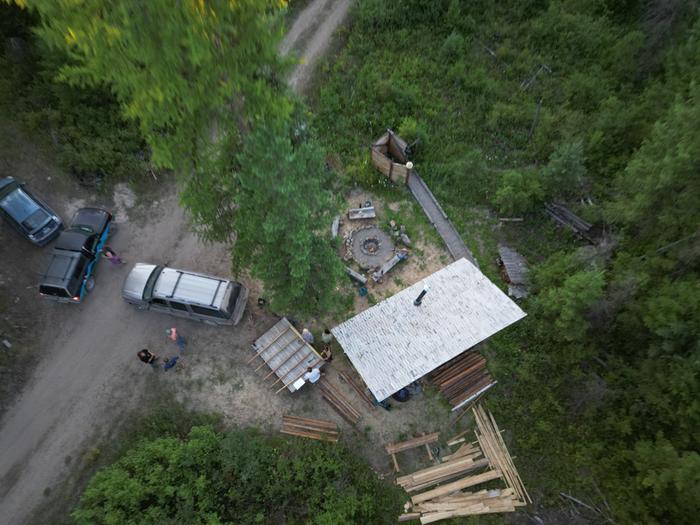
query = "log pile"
{"x": 310, "y": 428}
{"x": 463, "y": 379}
{"x": 338, "y": 403}
{"x": 483, "y": 461}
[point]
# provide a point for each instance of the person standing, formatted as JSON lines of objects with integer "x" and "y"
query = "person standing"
{"x": 326, "y": 336}
{"x": 112, "y": 256}
{"x": 312, "y": 375}
{"x": 176, "y": 338}
{"x": 147, "y": 357}
{"x": 307, "y": 336}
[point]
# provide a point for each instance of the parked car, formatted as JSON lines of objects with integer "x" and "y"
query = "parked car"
{"x": 185, "y": 294}
{"x": 29, "y": 215}
{"x": 73, "y": 259}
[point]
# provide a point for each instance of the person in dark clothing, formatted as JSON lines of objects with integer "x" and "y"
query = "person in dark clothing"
{"x": 147, "y": 357}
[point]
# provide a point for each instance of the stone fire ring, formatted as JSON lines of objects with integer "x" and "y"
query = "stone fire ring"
{"x": 371, "y": 247}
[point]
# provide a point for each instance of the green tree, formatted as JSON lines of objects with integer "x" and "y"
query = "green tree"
{"x": 176, "y": 68}
{"x": 565, "y": 173}
{"x": 520, "y": 192}
{"x": 238, "y": 477}
{"x": 285, "y": 238}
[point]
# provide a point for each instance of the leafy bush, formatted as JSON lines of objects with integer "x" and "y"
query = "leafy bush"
{"x": 520, "y": 192}
{"x": 565, "y": 173}
{"x": 452, "y": 47}
{"x": 411, "y": 131}
{"x": 237, "y": 477}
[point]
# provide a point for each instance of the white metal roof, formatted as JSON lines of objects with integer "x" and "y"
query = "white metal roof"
{"x": 191, "y": 287}
{"x": 395, "y": 343}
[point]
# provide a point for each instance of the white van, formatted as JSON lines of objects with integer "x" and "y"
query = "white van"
{"x": 185, "y": 294}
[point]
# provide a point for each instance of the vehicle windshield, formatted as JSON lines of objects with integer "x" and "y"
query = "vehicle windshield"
{"x": 24, "y": 210}
{"x": 233, "y": 292}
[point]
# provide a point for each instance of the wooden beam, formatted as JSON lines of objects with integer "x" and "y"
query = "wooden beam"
{"x": 273, "y": 370}
{"x": 258, "y": 354}
{"x": 296, "y": 364}
{"x": 412, "y": 443}
{"x": 270, "y": 358}
{"x": 463, "y": 483}
{"x": 299, "y": 376}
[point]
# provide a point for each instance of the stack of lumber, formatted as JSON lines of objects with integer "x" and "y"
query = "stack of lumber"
{"x": 310, "y": 428}
{"x": 336, "y": 400}
{"x": 449, "y": 499}
{"x": 455, "y": 467}
{"x": 463, "y": 378}
{"x": 425, "y": 439}
{"x": 494, "y": 448}
{"x": 569, "y": 219}
{"x": 361, "y": 392}
{"x": 467, "y": 504}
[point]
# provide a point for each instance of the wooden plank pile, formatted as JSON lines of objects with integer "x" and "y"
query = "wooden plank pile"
{"x": 463, "y": 379}
{"x": 338, "y": 402}
{"x": 449, "y": 498}
{"x": 425, "y": 439}
{"x": 494, "y": 448}
{"x": 361, "y": 392}
{"x": 310, "y": 428}
{"x": 564, "y": 216}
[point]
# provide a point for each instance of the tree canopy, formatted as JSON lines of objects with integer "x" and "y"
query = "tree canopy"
{"x": 236, "y": 477}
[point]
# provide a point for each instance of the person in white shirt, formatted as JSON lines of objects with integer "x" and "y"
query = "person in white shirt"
{"x": 312, "y": 374}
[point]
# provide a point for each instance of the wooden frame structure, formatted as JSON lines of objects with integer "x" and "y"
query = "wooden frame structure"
{"x": 286, "y": 355}
{"x": 389, "y": 155}
{"x": 393, "y": 448}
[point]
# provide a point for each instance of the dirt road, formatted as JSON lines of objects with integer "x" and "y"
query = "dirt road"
{"x": 310, "y": 36}
{"x": 89, "y": 377}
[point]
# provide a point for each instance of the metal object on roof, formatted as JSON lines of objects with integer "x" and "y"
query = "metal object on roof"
{"x": 395, "y": 343}
{"x": 516, "y": 271}
{"x": 190, "y": 287}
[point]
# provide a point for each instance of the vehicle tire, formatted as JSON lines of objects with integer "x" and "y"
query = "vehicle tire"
{"x": 90, "y": 284}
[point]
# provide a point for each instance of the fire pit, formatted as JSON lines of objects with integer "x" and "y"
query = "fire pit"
{"x": 370, "y": 247}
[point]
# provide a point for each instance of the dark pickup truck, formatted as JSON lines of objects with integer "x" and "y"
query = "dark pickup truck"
{"x": 73, "y": 259}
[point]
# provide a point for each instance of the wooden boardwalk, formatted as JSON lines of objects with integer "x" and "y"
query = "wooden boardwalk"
{"x": 438, "y": 218}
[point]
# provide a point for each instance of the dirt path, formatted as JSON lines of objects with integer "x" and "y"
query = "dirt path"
{"x": 310, "y": 36}
{"x": 90, "y": 378}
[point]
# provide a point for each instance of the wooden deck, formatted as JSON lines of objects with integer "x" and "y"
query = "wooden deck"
{"x": 284, "y": 355}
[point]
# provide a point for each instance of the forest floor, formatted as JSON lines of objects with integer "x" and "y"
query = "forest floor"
{"x": 82, "y": 380}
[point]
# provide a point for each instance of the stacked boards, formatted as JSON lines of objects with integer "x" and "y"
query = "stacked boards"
{"x": 440, "y": 491}
{"x": 338, "y": 402}
{"x": 463, "y": 379}
{"x": 310, "y": 428}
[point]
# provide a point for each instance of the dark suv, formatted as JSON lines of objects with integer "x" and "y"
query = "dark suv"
{"x": 29, "y": 215}
{"x": 75, "y": 255}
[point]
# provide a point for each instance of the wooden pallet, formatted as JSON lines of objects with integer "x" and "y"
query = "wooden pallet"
{"x": 310, "y": 428}
{"x": 338, "y": 402}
